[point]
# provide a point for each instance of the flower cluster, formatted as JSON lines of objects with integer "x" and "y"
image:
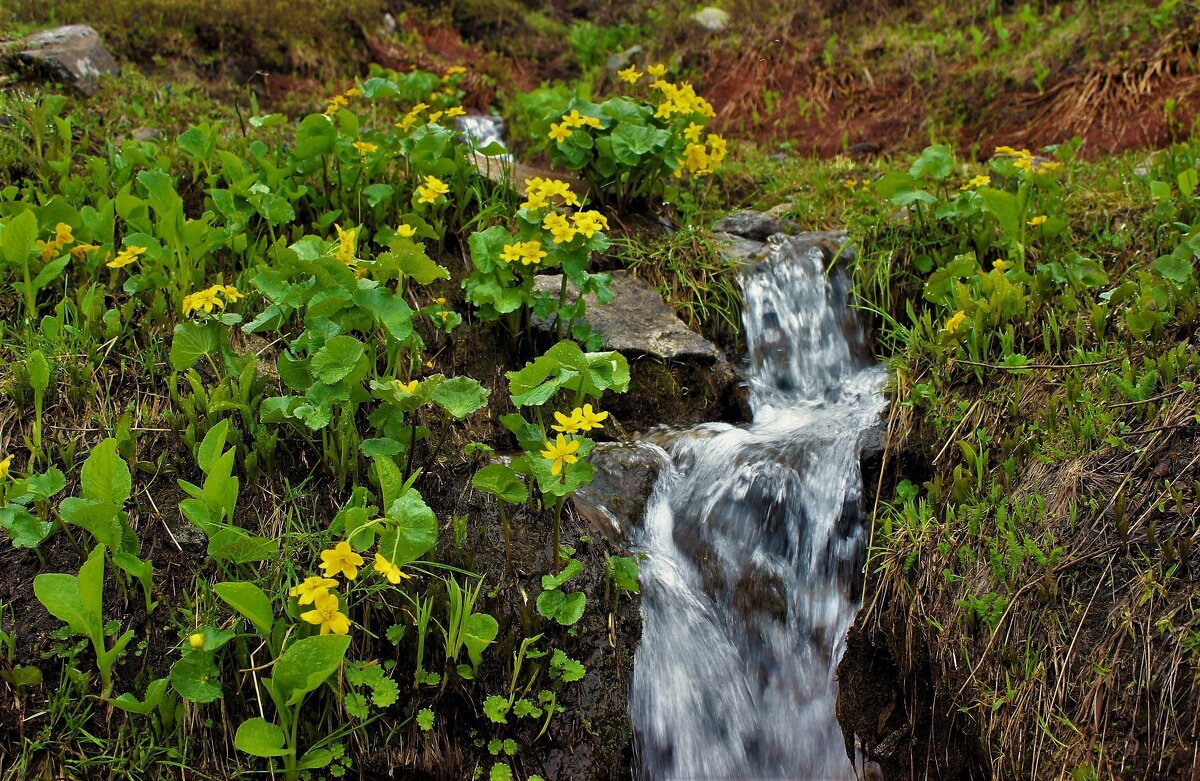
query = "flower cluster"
{"x": 539, "y": 193}
{"x": 560, "y": 453}
{"x": 339, "y": 102}
{"x": 414, "y": 115}
{"x": 525, "y": 251}
{"x": 431, "y": 190}
{"x": 1025, "y": 161}
{"x": 62, "y": 237}
{"x": 126, "y": 256}
{"x": 581, "y": 419}
{"x": 699, "y": 159}
{"x": 570, "y": 122}
{"x": 214, "y": 297}
{"x": 982, "y": 180}
{"x": 316, "y": 590}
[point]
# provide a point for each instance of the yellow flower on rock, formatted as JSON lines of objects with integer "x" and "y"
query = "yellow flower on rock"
{"x": 126, "y": 256}
{"x": 311, "y": 588}
{"x": 407, "y": 231}
{"x": 955, "y": 321}
{"x": 325, "y": 614}
{"x": 5, "y": 465}
{"x": 389, "y": 570}
{"x": 629, "y": 75}
{"x": 1038, "y": 220}
{"x": 560, "y": 132}
{"x": 341, "y": 559}
{"x": 432, "y": 190}
{"x": 561, "y": 453}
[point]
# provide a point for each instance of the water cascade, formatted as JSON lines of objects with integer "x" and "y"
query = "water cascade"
{"x": 755, "y": 542}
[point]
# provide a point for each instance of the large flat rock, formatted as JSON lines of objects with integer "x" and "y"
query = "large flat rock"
{"x": 73, "y": 55}
{"x": 637, "y": 321}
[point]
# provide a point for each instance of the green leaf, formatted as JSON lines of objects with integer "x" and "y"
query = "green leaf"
{"x": 196, "y": 677}
{"x": 315, "y": 759}
{"x": 315, "y": 136}
{"x": 389, "y": 310}
{"x": 573, "y": 568}
{"x": 411, "y": 530}
{"x": 565, "y": 668}
{"x": 76, "y": 599}
{"x": 501, "y": 481}
{"x": 50, "y": 272}
{"x": 1005, "y": 208}
{"x": 624, "y": 573}
{"x": 19, "y": 238}
{"x": 105, "y": 476}
{"x": 249, "y": 600}
{"x": 377, "y": 193}
{"x": 562, "y": 607}
{"x": 192, "y": 341}
{"x": 460, "y": 396}
{"x": 631, "y": 141}
{"x": 306, "y": 664}
{"x": 25, "y": 530}
{"x": 260, "y": 738}
{"x": 100, "y": 519}
{"x": 1187, "y": 180}
{"x": 934, "y": 163}
{"x": 337, "y": 359}
{"x": 235, "y": 545}
{"x": 495, "y": 708}
{"x": 1176, "y": 268}
{"x": 425, "y": 719}
{"x": 479, "y": 630}
{"x": 39, "y": 371}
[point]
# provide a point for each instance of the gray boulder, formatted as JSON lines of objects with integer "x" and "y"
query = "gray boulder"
{"x": 711, "y": 18}
{"x": 73, "y": 55}
{"x": 753, "y": 225}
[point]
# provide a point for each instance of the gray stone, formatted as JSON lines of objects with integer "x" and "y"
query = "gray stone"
{"x": 739, "y": 249}
{"x": 73, "y": 55}
{"x": 711, "y": 18}
{"x": 146, "y": 134}
{"x": 619, "y": 61}
{"x": 615, "y": 501}
{"x": 754, "y": 225}
{"x": 637, "y": 321}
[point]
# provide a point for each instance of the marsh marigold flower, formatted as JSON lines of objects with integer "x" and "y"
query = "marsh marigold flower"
{"x": 126, "y": 256}
{"x": 196, "y": 640}
{"x": 982, "y": 180}
{"x": 389, "y": 570}
{"x": 955, "y": 321}
{"x": 311, "y": 588}
{"x": 365, "y": 147}
{"x": 432, "y": 190}
{"x": 629, "y": 75}
{"x": 561, "y": 453}
{"x": 5, "y": 465}
{"x": 407, "y": 231}
{"x": 559, "y": 227}
{"x": 341, "y": 559}
{"x": 1038, "y": 220}
{"x": 657, "y": 70}
{"x": 588, "y": 222}
{"x": 560, "y": 132}
{"x": 326, "y": 615}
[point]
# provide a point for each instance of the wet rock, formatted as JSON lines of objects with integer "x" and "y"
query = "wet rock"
{"x": 146, "y": 134}
{"x": 711, "y": 18}
{"x": 740, "y": 249}
{"x": 754, "y": 225}
{"x": 73, "y": 55}
{"x": 619, "y": 61}
{"x": 637, "y": 321}
{"x": 615, "y": 501}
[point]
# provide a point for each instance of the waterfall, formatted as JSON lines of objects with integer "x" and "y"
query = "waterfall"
{"x": 754, "y": 541}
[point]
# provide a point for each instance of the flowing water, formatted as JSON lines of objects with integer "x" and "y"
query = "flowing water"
{"x": 755, "y": 541}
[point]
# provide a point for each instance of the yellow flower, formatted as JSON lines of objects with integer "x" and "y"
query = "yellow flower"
{"x": 311, "y": 588}
{"x": 457, "y": 111}
{"x": 431, "y": 190}
{"x": 439, "y": 301}
{"x": 560, "y": 132}
{"x": 567, "y": 424}
{"x": 982, "y": 180}
{"x": 5, "y": 464}
{"x": 1049, "y": 166}
{"x": 999, "y": 265}
{"x": 693, "y": 132}
{"x": 436, "y": 115}
{"x": 202, "y": 299}
{"x": 531, "y": 252}
{"x": 589, "y": 419}
{"x": 80, "y": 250}
{"x": 325, "y": 614}
{"x": 417, "y": 109}
{"x": 561, "y": 452}
{"x": 62, "y": 234}
{"x": 231, "y": 293}
{"x": 630, "y": 74}
{"x": 696, "y": 159}
{"x": 955, "y": 321}
{"x": 1038, "y": 220}
{"x": 1006, "y": 150}
{"x": 574, "y": 119}
{"x": 347, "y": 244}
{"x": 589, "y": 222}
{"x": 49, "y": 249}
{"x": 559, "y": 227}
{"x": 657, "y": 70}
{"x": 126, "y": 256}
{"x": 1024, "y": 163}
{"x": 407, "y": 231}
{"x": 335, "y": 103}
{"x": 389, "y": 570}
{"x": 454, "y": 70}
{"x": 717, "y": 148}
{"x": 407, "y": 387}
{"x": 511, "y": 252}
{"x": 365, "y": 147}
{"x": 341, "y": 559}
{"x": 196, "y": 640}
{"x": 353, "y": 92}
{"x": 407, "y": 123}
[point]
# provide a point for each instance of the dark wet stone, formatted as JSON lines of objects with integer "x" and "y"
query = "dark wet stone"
{"x": 615, "y": 501}
{"x": 754, "y": 225}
